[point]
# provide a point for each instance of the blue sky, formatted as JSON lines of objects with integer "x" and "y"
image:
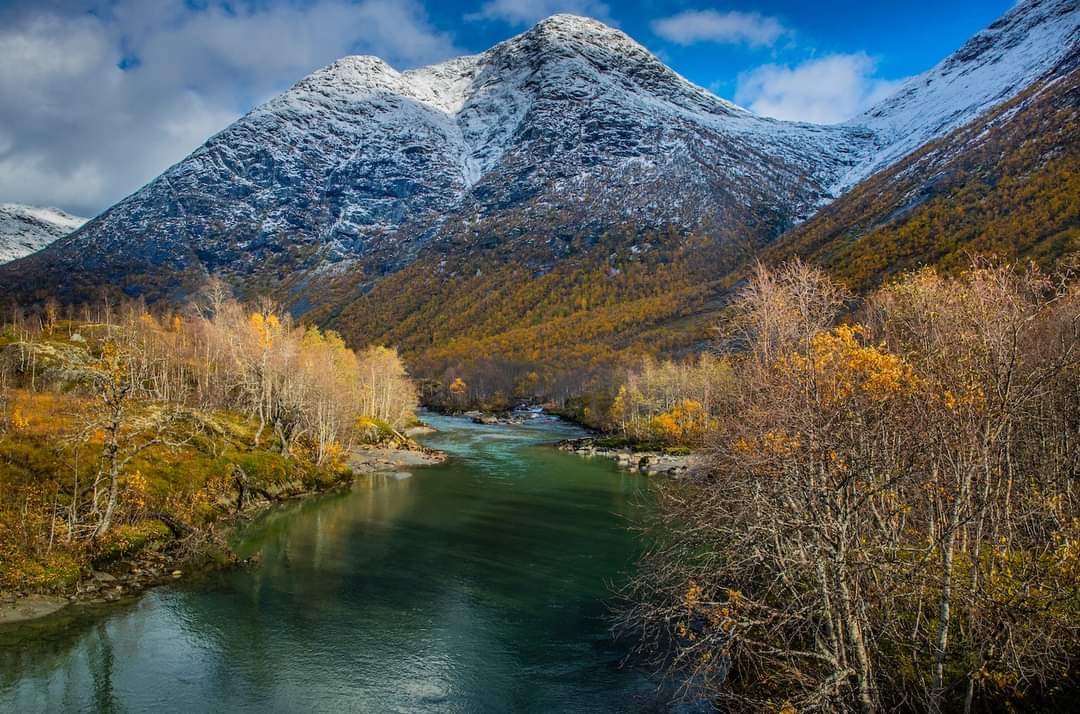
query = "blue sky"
{"x": 99, "y": 96}
{"x": 904, "y": 38}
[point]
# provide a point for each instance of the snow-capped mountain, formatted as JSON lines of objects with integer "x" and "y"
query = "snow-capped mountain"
{"x": 567, "y": 131}
{"x": 993, "y": 66}
{"x": 359, "y": 160}
{"x": 26, "y": 229}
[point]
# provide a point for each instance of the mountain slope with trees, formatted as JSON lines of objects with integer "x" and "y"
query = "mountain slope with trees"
{"x": 527, "y": 217}
{"x": 1006, "y": 184}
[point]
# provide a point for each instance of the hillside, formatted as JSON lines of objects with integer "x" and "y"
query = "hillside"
{"x": 1007, "y": 184}
{"x": 358, "y": 168}
{"x": 995, "y": 65}
{"x": 1003, "y": 184}
{"x": 119, "y": 436}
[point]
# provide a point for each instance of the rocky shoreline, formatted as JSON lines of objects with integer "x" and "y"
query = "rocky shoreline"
{"x": 120, "y": 579}
{"x": 366, "y": 461}
{"x": 129, "y": 577}
{"x": 653, "y": 463}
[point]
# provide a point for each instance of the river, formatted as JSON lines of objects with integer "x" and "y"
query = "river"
{"x": 479, "y": 585}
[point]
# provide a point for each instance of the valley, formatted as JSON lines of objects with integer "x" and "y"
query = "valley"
{"x": 542, "y": 378}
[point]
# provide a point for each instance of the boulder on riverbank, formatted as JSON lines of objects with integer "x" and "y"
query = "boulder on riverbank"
{"x": 17, "y": 609}
{"x": 649, "y": 462}
{"x": 367, "y": 460}
{"x": 518, "y": 415}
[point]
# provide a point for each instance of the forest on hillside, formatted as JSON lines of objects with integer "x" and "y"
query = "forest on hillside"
{"x": 547, "y": 313}
{"x": 1006, "y": 185}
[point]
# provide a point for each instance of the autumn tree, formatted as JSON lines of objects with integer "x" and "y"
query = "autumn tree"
{"x": 673, "y": 402}
{"x": 887, "y": 518}
{"x": 124, "y": 431}
{"x": 458, "y": 389}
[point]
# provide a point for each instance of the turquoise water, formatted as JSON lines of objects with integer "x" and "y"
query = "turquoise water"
{"x": 479, "y": 585}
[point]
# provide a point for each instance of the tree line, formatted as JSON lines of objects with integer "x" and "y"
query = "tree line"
{"x": 886, "y": 516}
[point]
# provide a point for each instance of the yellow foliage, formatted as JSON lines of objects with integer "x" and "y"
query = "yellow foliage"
{"x": 771, "y": 443}
{"x": 693, "y": 595}
{"x": 842, "y": 368}
{"x": 137, "y": 487}
{"x": 262, "y": 332}
{"x": 19, "y": 421}
{"x": 686, "y": 423}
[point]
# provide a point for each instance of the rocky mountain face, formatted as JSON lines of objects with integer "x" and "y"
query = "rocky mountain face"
{"x": 359, "y": 164}
{"x": 998, "y": 175}
{"x": 1005, "y": 184}
{"x": 536, "y": 153}
{"x": 26, "y": 229}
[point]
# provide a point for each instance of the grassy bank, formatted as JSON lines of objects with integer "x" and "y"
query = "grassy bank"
{"x": 174, "y": 498}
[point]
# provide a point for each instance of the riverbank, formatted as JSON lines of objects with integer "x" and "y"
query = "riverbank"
{"x": 177, "y": 555}
{"x": 369, "y": 460}
{"x": 451, "y": 590}
{"x": 127, "y": 446}
{"x": 673, "y": 463}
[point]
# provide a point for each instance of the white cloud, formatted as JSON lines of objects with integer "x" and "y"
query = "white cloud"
{"x": 79, "y": 132}
{"x": 734, "y": 27}
{"x": 825, "y": 90}
{"x": 527, "y": 12}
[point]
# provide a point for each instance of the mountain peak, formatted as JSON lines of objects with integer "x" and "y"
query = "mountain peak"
{"x": 569, "y": 127}
{"x": 351, "y": 70}
{"x": 569, "y": 21}
{"x": 568, "y": 26}
{"x": 364, "y": 62}
{"x": 576, "y": 31}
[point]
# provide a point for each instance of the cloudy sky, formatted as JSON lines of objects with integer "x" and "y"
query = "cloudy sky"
{"x": 99, "y": 96}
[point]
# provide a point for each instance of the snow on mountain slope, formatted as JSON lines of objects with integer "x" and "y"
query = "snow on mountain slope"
{"x": 993, "y": 66}
{"x": 570, "y": 119}
{"x": 567, "y": 131}
{"x": 26, "y": 229}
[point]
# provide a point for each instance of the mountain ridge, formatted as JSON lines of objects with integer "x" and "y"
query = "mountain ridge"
{"x": 563, "y": 196}
{"x": 358, "y": 161}
{"x": 993, "y": 66}
{"x": 1005, "y": 184}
